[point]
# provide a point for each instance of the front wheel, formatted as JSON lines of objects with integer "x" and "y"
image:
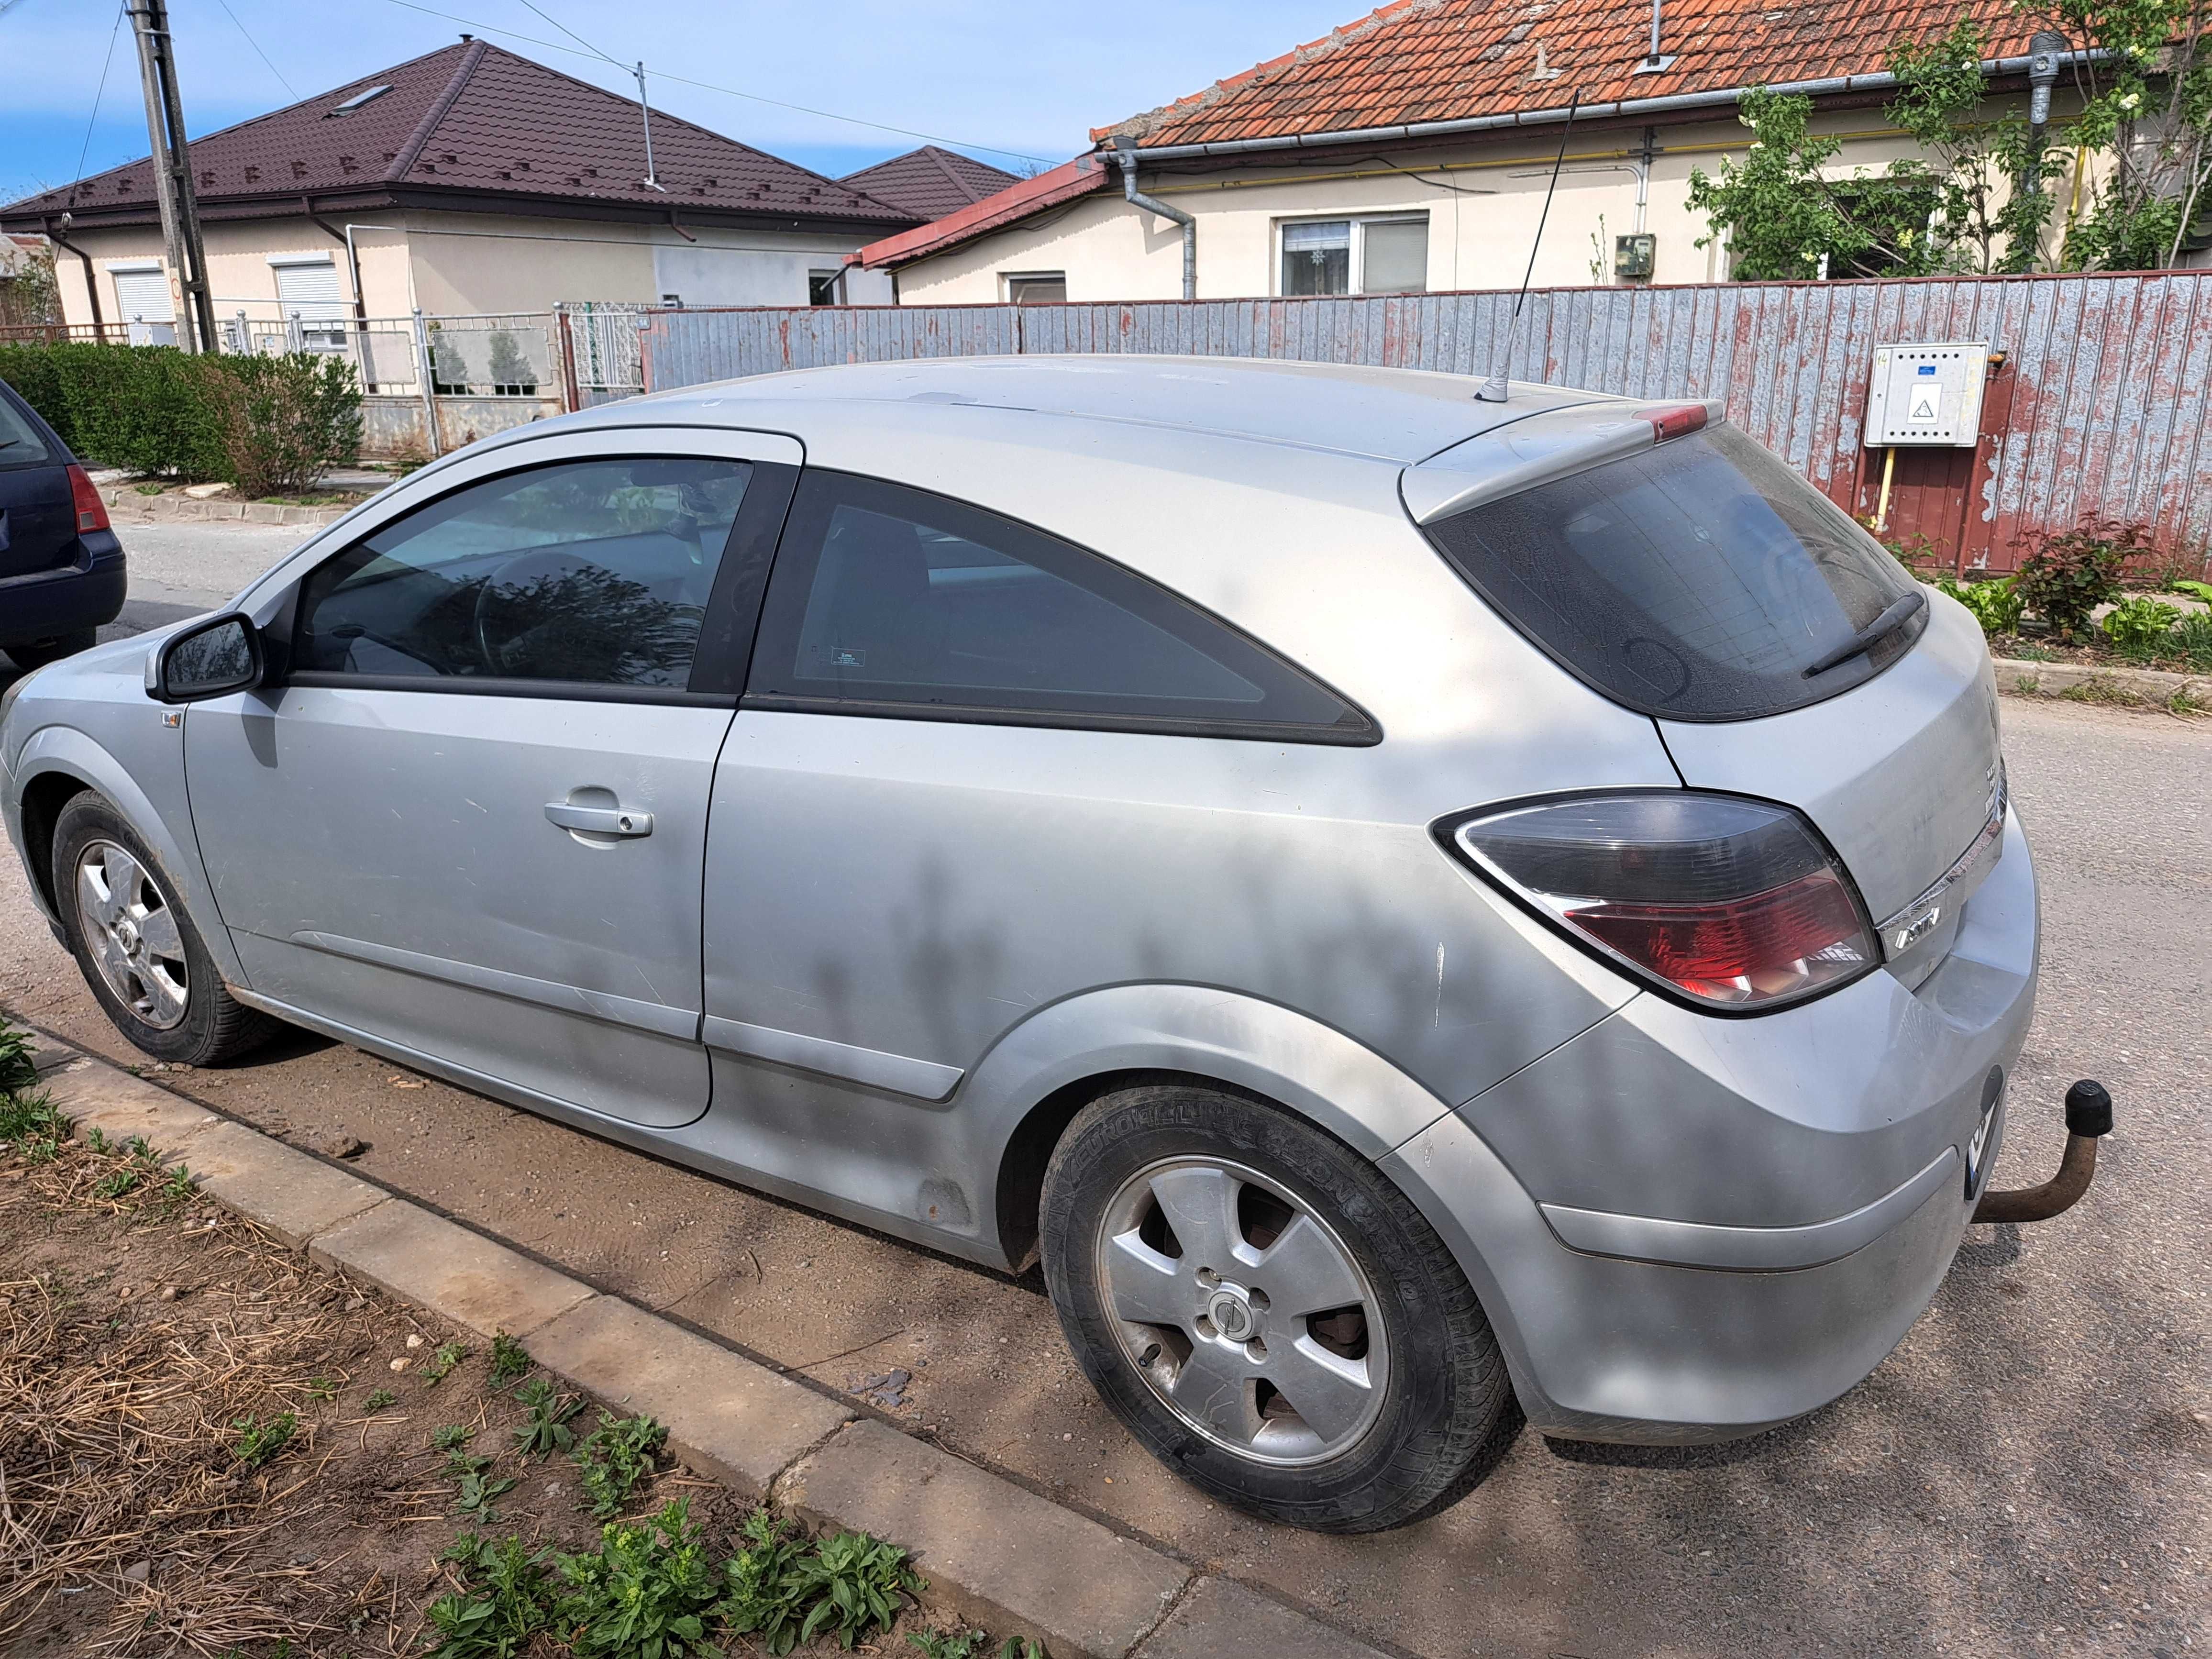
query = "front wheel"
{"x": 1268, "y": 1313}
{"x": 136, "y": 948}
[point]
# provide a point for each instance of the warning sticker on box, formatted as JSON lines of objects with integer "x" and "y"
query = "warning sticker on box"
{"x": 1925, "y": 407}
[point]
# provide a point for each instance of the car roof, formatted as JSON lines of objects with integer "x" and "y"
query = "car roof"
{"x": 1396, "y": 415}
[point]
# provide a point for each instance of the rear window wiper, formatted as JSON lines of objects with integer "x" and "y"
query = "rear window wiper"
{"x": 1895, "y": 615}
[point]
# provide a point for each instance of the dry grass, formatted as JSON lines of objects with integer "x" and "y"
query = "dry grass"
{"x": 127, "y": 1519}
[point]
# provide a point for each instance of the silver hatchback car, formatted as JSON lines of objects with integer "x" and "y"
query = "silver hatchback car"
{"x": 1416, "y": 911}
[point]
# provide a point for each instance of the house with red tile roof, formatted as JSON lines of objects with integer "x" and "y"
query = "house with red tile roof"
{"x": 930, "y": 182}
{"x": 469, "y": 180}
{"x": 1412, "y": 150}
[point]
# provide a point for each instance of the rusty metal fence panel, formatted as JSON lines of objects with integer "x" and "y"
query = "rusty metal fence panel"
{"x": 2099, "y": 413}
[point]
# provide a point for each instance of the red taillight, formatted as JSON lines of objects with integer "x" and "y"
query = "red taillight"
{"x": 91, "y": 511}
{"x": 1730, "y": 902}
{"x": 1764, "y": 945}
{"x": 1675, "y": 420}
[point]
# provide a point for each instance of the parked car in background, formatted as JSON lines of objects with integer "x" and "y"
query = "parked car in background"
{"x": 61, "y": 568}
{"x": 1411, "y": 907}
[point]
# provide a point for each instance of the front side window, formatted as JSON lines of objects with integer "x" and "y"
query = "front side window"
{"x": 891, "y": 600}
{"x": 592, "y": 572}
{"x": 1699, "y": 580}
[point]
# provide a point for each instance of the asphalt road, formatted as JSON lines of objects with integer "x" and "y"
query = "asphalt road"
{"x": 2030, "y": 1473}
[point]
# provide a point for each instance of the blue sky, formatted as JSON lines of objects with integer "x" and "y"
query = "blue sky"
{"x": 1024, "y": 78}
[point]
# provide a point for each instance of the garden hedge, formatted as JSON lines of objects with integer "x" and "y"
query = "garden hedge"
{"x": 255, "y": 422}
{"x": 149, "y": 408}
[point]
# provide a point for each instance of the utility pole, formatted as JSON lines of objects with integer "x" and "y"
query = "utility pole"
{"x": 189, "y": 297}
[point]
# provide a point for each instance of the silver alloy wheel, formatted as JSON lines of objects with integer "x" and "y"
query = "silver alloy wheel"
{"x": 1243, "y": 1311}
{"x": 130, "y": 928}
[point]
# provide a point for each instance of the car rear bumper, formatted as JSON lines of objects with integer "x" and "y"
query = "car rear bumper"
{"x": 48, "y": 603}
{"x": 1698, "y": 1286}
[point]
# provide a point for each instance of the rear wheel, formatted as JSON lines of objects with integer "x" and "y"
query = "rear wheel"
{"x": 136, "y": 948}
{"x": 1268, "y": 1313}
{"x": 36, "y": 654}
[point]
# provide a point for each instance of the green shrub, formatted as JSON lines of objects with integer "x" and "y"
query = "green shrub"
{"x": 1995, "y": 604}
{"x": 270, "y": 425}
{"x": 288, "y": 419}
{"x": 2196, "y": 590}
{"x": 2071, "y": 574}
{"x": 2139, "y": 627}
{"x": 149, "y": 408}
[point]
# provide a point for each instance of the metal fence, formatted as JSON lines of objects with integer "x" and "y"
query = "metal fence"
{"x": 2099, "y": 412}
{"x": 600, "y": 344}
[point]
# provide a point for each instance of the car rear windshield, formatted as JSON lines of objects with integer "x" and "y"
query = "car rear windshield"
{"x": 1700, "y": 580}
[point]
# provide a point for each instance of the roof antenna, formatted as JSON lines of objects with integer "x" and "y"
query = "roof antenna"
{"x": 651, "y": 180}
{"x": 1492, "y": 390}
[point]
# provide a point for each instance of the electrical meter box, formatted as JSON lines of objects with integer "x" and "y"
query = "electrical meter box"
{"x": 1926, "y": 394}
{"x": 1634, "y": 256}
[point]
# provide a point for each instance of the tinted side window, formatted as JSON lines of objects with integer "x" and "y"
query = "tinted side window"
{"x": 1700, "y": 579}
{"x": 892, "y": 600}
{"x": 596, "y": 572}
{"x": 20, "y": 442}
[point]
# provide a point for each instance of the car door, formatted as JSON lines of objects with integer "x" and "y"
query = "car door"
{"x": 469, "y": 819}
{"x": 961, "y": 736}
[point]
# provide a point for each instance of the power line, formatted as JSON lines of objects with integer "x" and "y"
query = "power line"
{"x": 256, "y": 45}
{"x": 91, "y": 121}
{"x": 573, "y": 35}
{"x": 732, "y": 92}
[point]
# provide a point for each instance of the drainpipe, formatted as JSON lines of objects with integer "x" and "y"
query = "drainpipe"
{"x": 2045, "y": 50}
{"x": 60, "y": 239}
{"x": 1125, "y": 152}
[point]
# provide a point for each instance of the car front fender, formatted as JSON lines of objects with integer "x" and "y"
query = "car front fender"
{"x": 72, "y": 751}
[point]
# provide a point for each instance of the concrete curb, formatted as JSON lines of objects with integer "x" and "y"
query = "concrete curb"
{"x": 994, "y": 1551}
{"x": 127, "y": 506}
{"x": 2141, "y": 688}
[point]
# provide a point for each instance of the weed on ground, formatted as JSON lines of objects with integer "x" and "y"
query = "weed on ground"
{"x": 212, "y": 1449}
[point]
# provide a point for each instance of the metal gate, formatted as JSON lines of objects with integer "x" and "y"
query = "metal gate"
{"x": 2098, "y": 413}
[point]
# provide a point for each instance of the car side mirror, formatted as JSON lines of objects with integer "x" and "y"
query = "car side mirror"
{"x": 210, "y": 660}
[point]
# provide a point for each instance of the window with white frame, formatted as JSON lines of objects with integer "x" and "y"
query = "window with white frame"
{"x": 311, "y": 300}
{"x": 1379, "y": 255}
{"x": 1036, "y": 287}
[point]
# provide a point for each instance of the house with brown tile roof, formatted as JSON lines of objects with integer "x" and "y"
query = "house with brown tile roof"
{"x": 472, "y": 180}
{"x": 1412, "y": 150}
{"x": 931, "y": 182}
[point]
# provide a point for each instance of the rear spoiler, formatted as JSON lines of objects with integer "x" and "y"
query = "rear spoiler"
{"x": 1543, "y": 447}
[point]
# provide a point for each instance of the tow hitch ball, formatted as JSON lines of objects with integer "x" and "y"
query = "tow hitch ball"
{"x": 2088, "y": 1115}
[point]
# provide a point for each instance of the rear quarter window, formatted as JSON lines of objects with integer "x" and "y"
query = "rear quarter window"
{"x": 21, "y": 444}
{"x": 1700, "y": 579}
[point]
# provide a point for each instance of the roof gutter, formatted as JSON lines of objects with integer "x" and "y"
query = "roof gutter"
{"x": 1880, "y": 81}
{"x": 1125, "y": 152}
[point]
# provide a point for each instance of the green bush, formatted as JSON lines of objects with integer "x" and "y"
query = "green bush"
{"x": 267, "y": 424}
{"x": 286, "y": 419}
{"x": 150, "y": 408}
{"x": 2191, "y": 639}
{"x": 2071, "y": 574}
{"x": 1995, "y": 604}
{"x": 2139, "y": 627}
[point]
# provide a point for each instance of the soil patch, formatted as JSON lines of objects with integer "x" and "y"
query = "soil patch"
{"x": 208, "y": 1446}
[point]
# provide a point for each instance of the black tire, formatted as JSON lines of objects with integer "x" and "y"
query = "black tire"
{"x": 212, "y": 1025}
{"x": 36, "y": 654}
{"x": 1446, "y": 1411}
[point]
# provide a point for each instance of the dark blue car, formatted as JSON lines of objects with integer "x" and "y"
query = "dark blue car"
{"x": 61, "y": 567}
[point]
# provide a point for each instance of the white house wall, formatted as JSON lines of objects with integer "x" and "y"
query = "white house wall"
{"x": 1483, "y": 200}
